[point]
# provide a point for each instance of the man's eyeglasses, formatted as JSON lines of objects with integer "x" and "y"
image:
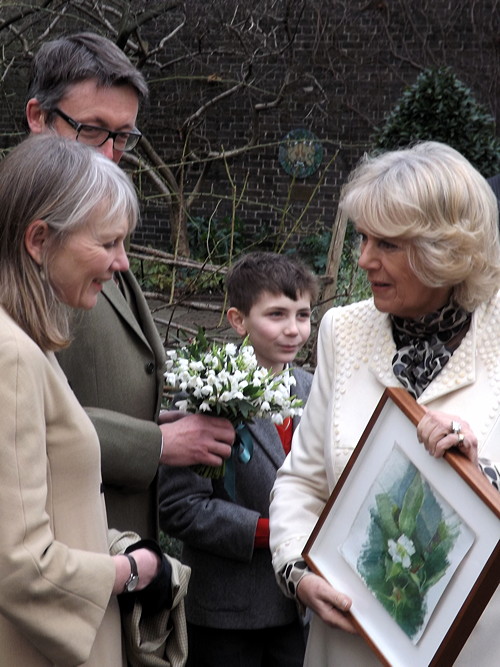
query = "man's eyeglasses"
{"x": 97, "y": 136}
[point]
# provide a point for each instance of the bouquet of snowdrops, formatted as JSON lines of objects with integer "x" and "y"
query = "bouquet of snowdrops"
{"x": 227, "y": 381}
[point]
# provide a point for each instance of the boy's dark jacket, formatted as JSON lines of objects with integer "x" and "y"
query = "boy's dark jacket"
{"x": 231, "y": 586}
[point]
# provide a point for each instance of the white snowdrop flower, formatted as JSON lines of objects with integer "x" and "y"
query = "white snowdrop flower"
{"x": 207, "y": 390}
{"x": 277, "y": 418}
{"x": 196, "y": 366}
{"x": 171, "y": 378}
{"x": 231, "y": 349}
{"x": 205, "y": 407}
{"x": 182, "y": 406}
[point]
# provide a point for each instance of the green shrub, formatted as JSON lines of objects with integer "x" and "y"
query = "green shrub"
{"x": 439, "y": 107}
{"x": 313, "y": 250}
{"x": 352, "y": 283}
{"x": 210, "y": 239}
{"x": 152, "y": 276}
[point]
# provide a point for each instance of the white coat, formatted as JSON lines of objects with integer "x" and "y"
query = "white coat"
{"x": 355, "y": 351}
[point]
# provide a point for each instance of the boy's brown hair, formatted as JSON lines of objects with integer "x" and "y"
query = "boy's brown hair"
{"x": 258, "y": 272}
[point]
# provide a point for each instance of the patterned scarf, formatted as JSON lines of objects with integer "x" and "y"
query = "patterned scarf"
{"x": 425, "y": 346}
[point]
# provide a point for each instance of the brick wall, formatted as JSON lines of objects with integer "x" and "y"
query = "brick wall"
{"x": 345, "y": 64}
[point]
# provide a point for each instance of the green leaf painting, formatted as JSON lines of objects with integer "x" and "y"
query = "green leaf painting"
{"x": 406, "y": 543}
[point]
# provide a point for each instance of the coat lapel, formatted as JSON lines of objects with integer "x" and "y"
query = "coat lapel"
{"x": 112, "y": 293}
{"x": 265, "y": 433}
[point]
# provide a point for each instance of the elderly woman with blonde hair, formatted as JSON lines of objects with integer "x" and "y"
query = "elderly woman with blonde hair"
{"x": 428, "y": 228}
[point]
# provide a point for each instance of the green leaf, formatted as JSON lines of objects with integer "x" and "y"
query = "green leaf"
{"x": 386, "y": 511}
{"x": 412, "y": 502}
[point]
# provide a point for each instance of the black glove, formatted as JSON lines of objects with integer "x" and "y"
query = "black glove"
{"x": 158, "y": 594}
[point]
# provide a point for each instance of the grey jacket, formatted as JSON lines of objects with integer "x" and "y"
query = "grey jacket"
{"x": 232, "y": 585}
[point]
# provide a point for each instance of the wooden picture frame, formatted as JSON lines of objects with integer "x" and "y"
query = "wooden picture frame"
{"x": 391, "y": 483}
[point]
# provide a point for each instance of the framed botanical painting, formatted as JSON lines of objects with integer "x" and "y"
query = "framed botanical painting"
{"x": 413, "y": 540}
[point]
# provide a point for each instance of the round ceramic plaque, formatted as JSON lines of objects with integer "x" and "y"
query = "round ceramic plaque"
{"x": 300, "y": 153}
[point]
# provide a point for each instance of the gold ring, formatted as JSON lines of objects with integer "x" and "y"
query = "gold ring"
{"x": 456, "y": 427}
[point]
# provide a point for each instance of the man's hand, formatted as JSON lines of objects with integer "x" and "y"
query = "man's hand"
{"x": 190, "y": 439}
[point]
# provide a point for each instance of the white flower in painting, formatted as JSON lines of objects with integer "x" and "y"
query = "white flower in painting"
{"x": 401, "y": 551}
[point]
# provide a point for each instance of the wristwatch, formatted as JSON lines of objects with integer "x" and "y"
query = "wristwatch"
{"x": 133, "y": 580}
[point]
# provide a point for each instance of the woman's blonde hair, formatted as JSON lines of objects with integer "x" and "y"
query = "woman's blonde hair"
{"x": 64, "y": 183}
{"x": 432, "y": 197}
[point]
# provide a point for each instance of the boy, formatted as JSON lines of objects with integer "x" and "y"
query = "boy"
{"x": 236, "y": 614}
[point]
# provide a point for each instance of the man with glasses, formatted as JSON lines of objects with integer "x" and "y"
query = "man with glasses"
{"x": 83, "y": 87}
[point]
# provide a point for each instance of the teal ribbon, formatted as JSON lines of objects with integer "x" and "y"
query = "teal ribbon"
{"x": 242, "y": 451}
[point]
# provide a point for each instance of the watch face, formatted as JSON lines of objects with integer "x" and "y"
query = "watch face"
{"x": 132, "y": 583}
{"x": 133, "y": 580}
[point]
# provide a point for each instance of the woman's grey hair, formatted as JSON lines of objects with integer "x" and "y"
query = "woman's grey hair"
{"x": 432, "y": 197}
{"x": 68, "y": 185}
{"x": 62, "y": 62}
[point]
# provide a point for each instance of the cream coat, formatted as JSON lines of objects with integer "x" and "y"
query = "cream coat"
{"x": 355, "y": 349}
{"x": 56, "y": 577}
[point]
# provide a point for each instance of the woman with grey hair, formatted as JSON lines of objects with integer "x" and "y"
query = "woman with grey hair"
{"x": 428, "y": 227}
{"x": 66, "y": 211}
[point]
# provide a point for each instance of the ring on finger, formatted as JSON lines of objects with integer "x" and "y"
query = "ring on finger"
{"x": 460, "y": 438}
{"x": 456, "y": 427}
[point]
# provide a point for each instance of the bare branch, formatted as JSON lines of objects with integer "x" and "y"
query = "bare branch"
{"x": 140, "y": 19}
